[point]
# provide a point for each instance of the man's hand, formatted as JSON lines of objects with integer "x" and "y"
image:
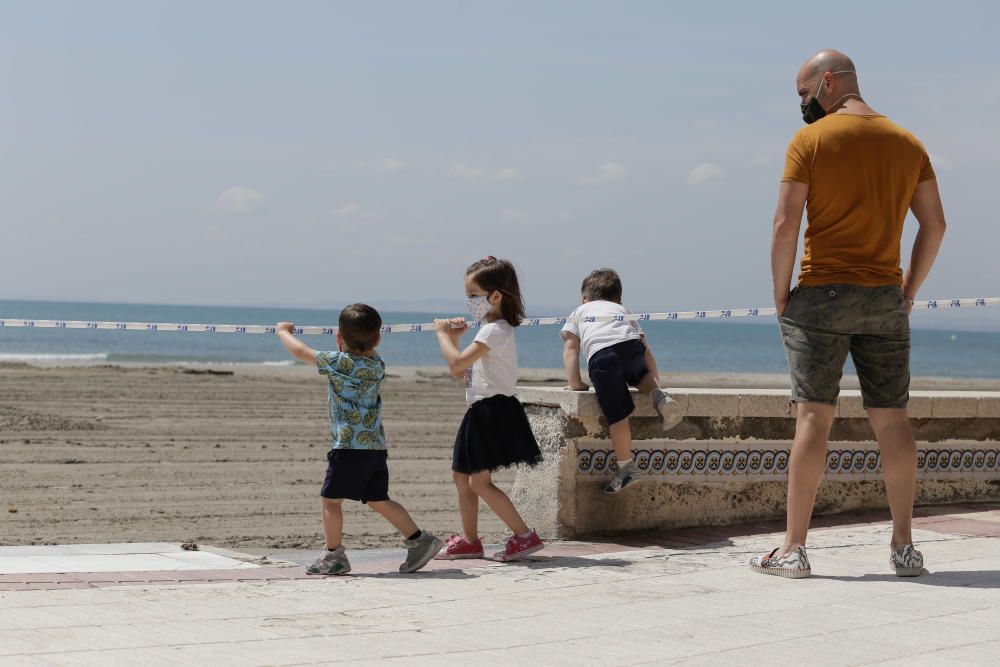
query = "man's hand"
{"x": 781, "y": 302}
{"x": 581, "y": 386}
{"x": 284, "y": 327}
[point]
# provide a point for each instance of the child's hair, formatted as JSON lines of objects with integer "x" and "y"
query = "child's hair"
{"x": 360, "y": 326}
{"x": 602, "y": 285}
{"x": 498, "y": 275}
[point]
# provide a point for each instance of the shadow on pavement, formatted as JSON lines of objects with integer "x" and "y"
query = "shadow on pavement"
{"x": 422, "y": 574}
{"x": 949, "y": 579}
{"x": 572, "y": 562}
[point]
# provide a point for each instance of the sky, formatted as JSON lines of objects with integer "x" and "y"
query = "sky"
{"x": 320, "y": 153}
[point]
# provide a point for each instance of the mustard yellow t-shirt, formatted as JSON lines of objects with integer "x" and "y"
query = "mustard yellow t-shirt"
{"x": 861, "y": 172}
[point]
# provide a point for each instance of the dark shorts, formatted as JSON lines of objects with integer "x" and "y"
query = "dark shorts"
{"x": 612, "y": 371}
{"x": 357, "y": 474}
{"x": 822, "y": 325}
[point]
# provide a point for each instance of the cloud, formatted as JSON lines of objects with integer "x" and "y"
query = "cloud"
{"x": 609, "y": 172}
{"x": 353, "y": 211}
{"x": 464, "y": 172}
{"x": 706, "y": 172}
{"x": 389, "y": 165}
{"x": 238, "y": 200}
{"x": 941, "y": 162}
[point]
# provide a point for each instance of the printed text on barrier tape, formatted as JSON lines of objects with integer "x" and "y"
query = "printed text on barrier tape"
{"x": 933, "y": 304}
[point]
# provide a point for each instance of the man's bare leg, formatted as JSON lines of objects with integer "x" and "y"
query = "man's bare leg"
{"x": 899, "y": 468}
{"x": 805, "y": 469}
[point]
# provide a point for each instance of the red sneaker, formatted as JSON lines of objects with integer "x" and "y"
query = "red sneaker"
{"x": 518, "y": 547}
{"x": 457, "y": 547}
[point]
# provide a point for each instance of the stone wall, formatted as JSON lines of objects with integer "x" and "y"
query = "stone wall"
{"x": 727, "y": 462}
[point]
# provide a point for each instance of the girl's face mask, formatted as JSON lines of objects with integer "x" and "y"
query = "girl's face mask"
{"x": 478, "y": 306}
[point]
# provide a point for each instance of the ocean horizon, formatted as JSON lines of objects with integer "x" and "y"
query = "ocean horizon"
{"x": 683, "y": 346}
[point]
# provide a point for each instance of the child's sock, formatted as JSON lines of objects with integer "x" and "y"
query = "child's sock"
{"x": 415, "y": 535}
{"x": 333, "y": 548}
{"x": 623, "y": 462}
{"x": 526, "y": 535}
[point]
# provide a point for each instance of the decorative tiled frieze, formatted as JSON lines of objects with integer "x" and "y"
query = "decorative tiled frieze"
{"x": 728, "y": 461}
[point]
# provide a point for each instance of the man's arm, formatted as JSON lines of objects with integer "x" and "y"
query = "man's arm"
{"x": 785, "y": 238}
{"x": 295, "y": 347}
{"x": 571, "y": 362}
{"x": 927, "y": 209}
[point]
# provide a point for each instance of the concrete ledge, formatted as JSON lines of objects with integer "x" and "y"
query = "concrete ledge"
{"x": 727, "y": 461}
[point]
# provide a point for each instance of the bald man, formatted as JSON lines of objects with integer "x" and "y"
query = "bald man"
{"x": 856, "y": 173}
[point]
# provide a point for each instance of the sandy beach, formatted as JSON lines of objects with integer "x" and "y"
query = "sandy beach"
{"x": 229, "y": 455}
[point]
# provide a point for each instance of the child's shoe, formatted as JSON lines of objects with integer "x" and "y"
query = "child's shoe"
{"x": 670, "y": 411}
{"x": 519, "y": 547}
{"x": 907, "y": 561}
{"x": 627, "y": 474}
{"x": 331, "y": 562}
{"x": 420, "y": 551}
{"x": 458, "y": 548}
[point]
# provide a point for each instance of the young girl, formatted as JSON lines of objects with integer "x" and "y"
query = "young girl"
{"x": 495, "y": 431}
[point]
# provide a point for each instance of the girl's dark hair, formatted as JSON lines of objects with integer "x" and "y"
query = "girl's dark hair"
{"x": 499, "y": 275}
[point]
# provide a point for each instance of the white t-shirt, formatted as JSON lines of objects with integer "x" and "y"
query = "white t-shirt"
{"x": 595, "y": 336}
{"x": 496, "y": 371}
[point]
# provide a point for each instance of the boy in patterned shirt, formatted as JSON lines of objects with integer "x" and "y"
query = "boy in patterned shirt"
{"x": 357, "y": 458}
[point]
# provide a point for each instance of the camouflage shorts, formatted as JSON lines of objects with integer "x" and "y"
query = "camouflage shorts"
{"x": 821, "y": 325}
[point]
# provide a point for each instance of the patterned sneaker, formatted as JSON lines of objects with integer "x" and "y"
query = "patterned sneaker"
{"x": 908, "y": 561}
{"x": 420, "y": 551}
{"x": 458, "y": 548}
{"x": 792, "y": 566}
{"x": 670, "y": 411}
{"x": 519, "y": 547}
{"x": 626, "y": 475}
{"x": 331, "y": 562}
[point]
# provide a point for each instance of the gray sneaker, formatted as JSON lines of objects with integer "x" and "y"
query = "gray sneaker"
{"x": 420, "y": 551}
{"x": 907, "y": 561}
{"x": 331, "y": 562}
{"x": 627, "y": 474}
{"x": 794, "y": 565}
{"x": 670, "y": 411}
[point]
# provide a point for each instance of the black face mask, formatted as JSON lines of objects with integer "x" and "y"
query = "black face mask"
{"x": 812, "y": 111}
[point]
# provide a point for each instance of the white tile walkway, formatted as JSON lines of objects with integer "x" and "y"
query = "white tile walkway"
{"x": 154, "y": 556}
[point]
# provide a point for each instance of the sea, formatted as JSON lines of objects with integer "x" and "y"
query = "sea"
{"x": 716, "y": 346}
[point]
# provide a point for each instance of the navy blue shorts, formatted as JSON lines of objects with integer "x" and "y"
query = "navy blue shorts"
{"x": 357, "y": 474}
{"x": 612, "y": 371}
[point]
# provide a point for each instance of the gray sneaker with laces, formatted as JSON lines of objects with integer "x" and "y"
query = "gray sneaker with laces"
{"x": 420, "y": 551}
{"x": 907, "y": 561}
{"x": 670, "y": 411}
{"x": 626, "y": 474}
{"x": 331, "y": 562}
{"x": 794, "y": 565}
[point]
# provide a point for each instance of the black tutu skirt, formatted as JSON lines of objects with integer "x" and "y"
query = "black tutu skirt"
{"x": 495, "y": 433}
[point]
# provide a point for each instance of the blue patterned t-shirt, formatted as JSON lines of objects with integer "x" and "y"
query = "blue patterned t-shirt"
{"x": 355, "y": 404}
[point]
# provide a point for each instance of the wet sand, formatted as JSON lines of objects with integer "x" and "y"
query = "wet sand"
{"x": 229, "y": 456}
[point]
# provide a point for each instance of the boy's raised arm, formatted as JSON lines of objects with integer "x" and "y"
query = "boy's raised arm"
{"x": 571, "y": 362}
{"x": 295, "y": 347}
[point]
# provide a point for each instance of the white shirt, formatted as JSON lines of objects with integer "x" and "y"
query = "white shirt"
{"x": 595, "y": 336}
{"x": 496, "y": 371}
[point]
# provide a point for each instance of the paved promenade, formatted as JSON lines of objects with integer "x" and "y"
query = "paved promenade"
{"x": 684, "y": 597}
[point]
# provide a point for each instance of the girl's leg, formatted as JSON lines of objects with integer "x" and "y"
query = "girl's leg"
{"x": 482, "y": 485}
{"x": 395, "y": 514}
{"x": 468, "y": 506}
{"x": 333, "y": 522}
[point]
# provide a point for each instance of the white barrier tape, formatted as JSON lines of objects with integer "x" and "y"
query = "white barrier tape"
{"x": 933, "y": 304}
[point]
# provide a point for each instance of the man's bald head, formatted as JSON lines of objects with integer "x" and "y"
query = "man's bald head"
{"x": 832, "y": 70}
